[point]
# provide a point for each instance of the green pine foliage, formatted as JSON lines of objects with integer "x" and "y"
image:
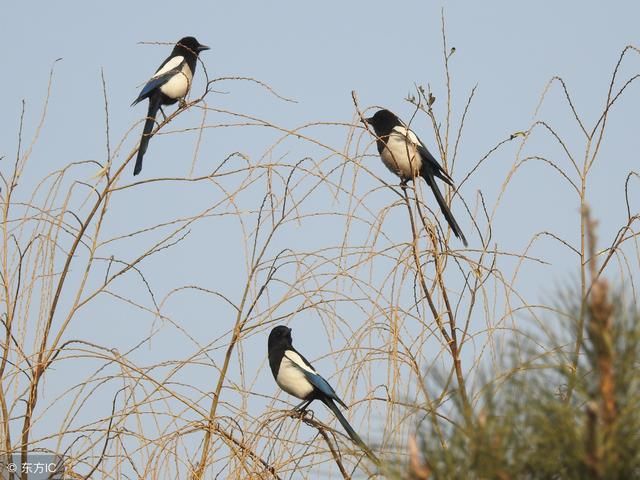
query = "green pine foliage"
{"x": 557, "y": 415}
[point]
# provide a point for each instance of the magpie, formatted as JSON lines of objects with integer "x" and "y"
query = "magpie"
{"x": 404, "y": 154}
{"x": 296, "y": 376}
{"x": 170, "y": 83}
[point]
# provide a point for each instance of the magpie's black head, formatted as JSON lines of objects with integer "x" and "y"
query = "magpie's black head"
{"x": 190, "y": 44}
{"x": 280, "y": 337}
{"x": 383, "y": 121}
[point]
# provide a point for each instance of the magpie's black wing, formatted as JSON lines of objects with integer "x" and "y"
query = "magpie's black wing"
{"x": 429, "y": 163}
{"x": 172, "y": 66}
{"x": 429, "y": 169}
{"x": 154, "y": 83}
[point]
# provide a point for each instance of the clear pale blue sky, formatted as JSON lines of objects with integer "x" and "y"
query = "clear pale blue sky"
{"x": 317, "y": 53}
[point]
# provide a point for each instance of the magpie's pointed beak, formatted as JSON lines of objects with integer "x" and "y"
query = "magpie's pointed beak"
{"x": 202, "y": 48}
{"x": 365, "y": 120}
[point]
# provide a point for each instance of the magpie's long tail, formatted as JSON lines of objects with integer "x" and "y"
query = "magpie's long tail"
{"x": 349, "y": 429}
{"x": 457, "y": 231}
{"x": 154, "y": 106}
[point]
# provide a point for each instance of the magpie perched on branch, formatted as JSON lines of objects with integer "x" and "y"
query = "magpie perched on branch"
{"x": 404, "y": 154}
{"x": 170, "y": 83}
{"x": 296, "y": 376}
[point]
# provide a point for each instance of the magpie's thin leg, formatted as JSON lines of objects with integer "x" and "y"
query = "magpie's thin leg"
{"x": 302, "y": 406}
{"x": 162, "y": 112}
{"x": 403, "y": 186}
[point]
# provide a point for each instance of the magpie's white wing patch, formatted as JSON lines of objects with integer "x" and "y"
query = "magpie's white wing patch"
{"x": 407, "y": 134}
{"x": 175, "y": 62}
{"x": 297, "y": 359}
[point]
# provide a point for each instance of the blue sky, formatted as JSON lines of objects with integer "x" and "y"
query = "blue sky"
{"x": 315, "y": 54}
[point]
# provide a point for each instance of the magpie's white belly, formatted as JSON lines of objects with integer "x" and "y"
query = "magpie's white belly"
{"x": 292, "y": 380}
{"x": 401, "y": 157}
{"x": 179, "y": 85}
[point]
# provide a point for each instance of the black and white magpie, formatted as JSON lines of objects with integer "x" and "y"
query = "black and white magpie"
{"x": 170, "y": 83}
{"x": 404, "y": 154}
{"x": 296, "y": 376}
